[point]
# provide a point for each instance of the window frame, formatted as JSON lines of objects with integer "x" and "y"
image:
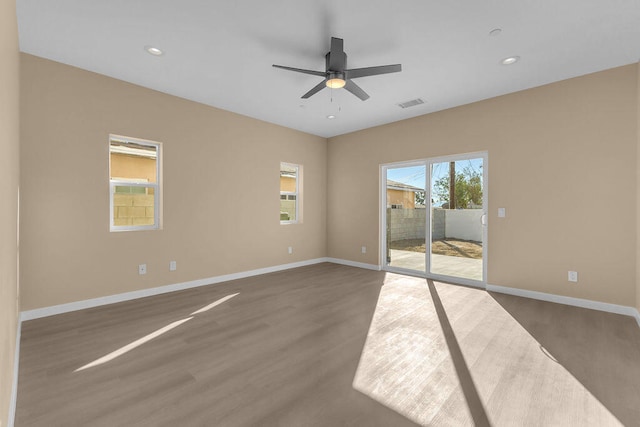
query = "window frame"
{"x": 130, "y": 182}
{"x": 297, "y": 193}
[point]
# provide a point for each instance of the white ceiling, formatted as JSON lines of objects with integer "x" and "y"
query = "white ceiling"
{"x": 220, "y": 52}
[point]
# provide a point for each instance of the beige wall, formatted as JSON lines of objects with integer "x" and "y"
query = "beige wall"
{"x": 209, "y": 227}
{"x": 560, "y": 157}
{"x": 557, "y": 156}
{"x": 9, "y": 176}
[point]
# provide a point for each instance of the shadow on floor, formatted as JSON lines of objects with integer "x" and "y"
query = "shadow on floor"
{"x": 476, "y": 408}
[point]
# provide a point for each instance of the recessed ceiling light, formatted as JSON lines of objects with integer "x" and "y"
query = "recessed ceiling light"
{"x": 495, "y": 32}
{"x": 331, "y": 117}
{"x": 154, "y": 50}
{"x": 510, "y": 60}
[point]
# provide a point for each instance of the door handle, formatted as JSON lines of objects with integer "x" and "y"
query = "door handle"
{"x": 483, "y": 219}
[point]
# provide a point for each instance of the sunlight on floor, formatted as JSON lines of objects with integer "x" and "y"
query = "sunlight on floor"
{"x": 213, "y": 304}
{"x": 453, "y": 356}
{"x": 137, "y": 343}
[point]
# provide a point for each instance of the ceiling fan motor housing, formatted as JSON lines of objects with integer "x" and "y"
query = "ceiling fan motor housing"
{"x": 339, "y": 62}
{"x": 331, "y": 75}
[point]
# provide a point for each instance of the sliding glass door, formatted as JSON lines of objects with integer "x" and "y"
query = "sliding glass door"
{"x": 406, "y": 217}
{"x": 434, "y": 217}
{"x": 457, "y": 218}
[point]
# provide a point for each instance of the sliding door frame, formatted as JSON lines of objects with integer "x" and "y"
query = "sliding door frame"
{"x": 427, "y": 163}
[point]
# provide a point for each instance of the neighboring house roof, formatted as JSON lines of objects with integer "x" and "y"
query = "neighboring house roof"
{"x": 395, "y": 185}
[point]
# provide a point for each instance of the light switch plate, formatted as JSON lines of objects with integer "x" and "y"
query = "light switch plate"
{"x": 502, "y": 212}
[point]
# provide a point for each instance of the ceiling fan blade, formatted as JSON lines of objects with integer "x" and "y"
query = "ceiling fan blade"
{"x": 337, "y": 57}
{"x": 356, "y": 90}
{"x": 372, "y": 71}
{"x": 317, "y": 88}
{"x": 301, "y": 70}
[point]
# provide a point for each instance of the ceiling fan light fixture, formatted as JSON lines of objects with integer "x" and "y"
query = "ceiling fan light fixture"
{"x": 336, "y": 81}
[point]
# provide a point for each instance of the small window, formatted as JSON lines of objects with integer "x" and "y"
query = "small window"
{"x": 134, "y": 184}
{"x": 290, "y": 189}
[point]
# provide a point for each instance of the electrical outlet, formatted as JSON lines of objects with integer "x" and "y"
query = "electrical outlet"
{"x": 172, "y": 266}
{"x": 573, "y": 276}
{"x": 290, "y": 249}
{"x": 364, "y": 249}
{"x": 142, "y": 269}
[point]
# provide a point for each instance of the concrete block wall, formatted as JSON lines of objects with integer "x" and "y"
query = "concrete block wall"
{"x": 461, "y": 224}
{"x": 438, "y": 224}
{"x": 407, "y": 223}
{"x": 133, "y": 209}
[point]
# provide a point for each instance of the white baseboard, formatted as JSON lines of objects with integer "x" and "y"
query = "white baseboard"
{"x": 14, "y": 386}
{"x": 354, "y": 264}
{"x": 111, "y": 299}
{"x": 576, "y": 302}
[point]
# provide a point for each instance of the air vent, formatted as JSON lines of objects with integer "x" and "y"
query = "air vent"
{"x": 411, "y": 103}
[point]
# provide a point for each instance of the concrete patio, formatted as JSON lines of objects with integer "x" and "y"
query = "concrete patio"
{"x": 467, "y": 268}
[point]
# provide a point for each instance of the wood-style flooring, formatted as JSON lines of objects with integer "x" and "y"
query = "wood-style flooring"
{"x": 330, "y": 345}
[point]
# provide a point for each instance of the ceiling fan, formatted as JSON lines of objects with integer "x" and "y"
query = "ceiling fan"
{"x": 337, "y": 75}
